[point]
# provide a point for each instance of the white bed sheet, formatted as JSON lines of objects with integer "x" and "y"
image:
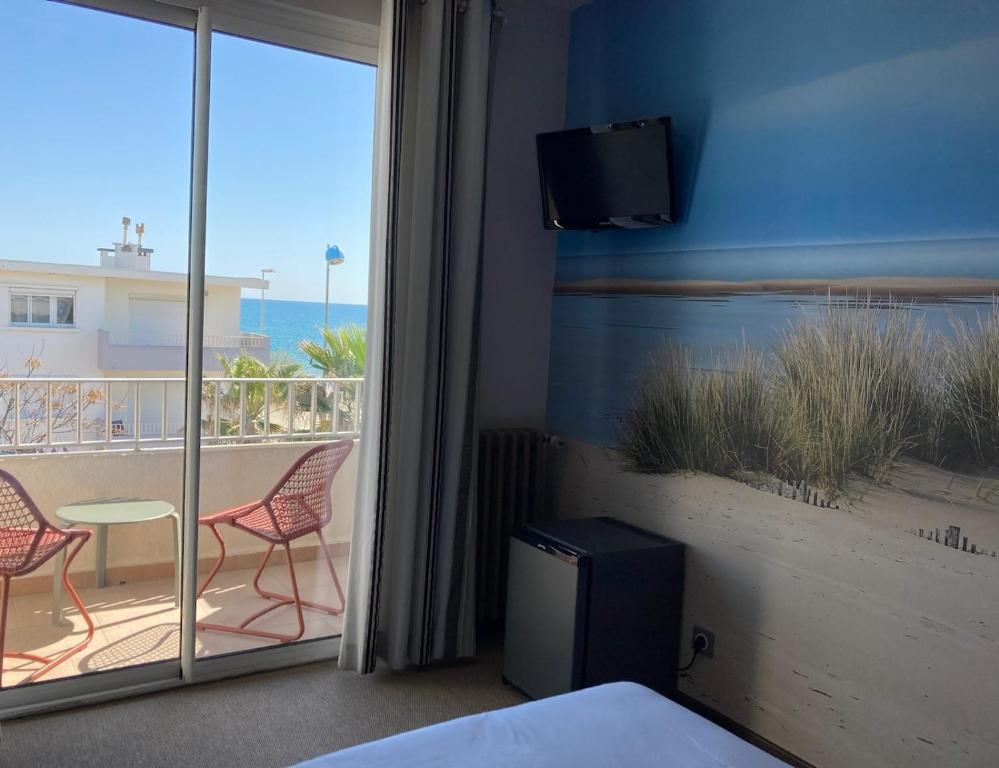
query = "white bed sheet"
{"x": 619, "y": 724}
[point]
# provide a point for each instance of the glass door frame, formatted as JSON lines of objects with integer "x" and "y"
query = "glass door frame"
{"x": 307, "y": 31}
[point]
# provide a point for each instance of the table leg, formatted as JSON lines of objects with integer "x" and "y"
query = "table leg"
{"x": 176, "y": 559}
{"x": 102, "y": 556}
{"x": 58, "y": 561}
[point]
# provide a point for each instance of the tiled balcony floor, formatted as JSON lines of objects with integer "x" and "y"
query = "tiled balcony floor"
{"x": 137, "y": 622}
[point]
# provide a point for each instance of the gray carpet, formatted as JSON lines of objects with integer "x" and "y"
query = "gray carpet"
{"x": 270, "y": 720}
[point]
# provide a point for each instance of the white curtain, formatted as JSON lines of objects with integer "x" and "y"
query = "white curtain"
{"x": 411, "y": 589}
{"x": 360, "y": 611}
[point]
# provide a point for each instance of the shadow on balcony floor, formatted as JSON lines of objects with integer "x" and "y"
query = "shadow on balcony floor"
{"x": 138, "y": 623}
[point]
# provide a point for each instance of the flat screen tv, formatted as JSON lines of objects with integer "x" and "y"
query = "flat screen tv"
{"x": 616, "y": 175}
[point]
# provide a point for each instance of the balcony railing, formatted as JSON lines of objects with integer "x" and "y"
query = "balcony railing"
{"x": 39, "y": 415}
{"x": 211, "y": 341}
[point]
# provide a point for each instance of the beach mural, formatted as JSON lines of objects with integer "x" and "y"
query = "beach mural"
{"x": 799, "y": 385}
{"x": 605, "y": 328}
{"x": 801, "y": 378}
{"x": 829, "y": 451}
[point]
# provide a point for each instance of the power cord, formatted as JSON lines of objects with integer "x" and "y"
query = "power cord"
{"x": 691, "y": 662}
{"x": 699, "y": 644}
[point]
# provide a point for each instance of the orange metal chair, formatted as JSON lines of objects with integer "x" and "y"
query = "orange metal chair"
{"x": 298, "y": 505}
{"x": 27, "y": 540}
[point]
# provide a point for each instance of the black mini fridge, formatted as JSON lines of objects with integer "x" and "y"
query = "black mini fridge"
{"x": 592, "y": 601}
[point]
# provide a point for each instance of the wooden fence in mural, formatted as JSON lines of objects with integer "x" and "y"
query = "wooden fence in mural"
{"x": 806, "y": 494}
{"x": 799, "y": 491}
{"x": 952, "y": 538}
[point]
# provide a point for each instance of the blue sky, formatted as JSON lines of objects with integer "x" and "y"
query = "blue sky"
{"x": 97, "y": 125}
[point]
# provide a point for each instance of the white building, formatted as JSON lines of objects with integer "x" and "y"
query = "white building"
{"x": 115, "y": 319}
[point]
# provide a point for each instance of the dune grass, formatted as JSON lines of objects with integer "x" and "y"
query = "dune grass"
{"x": 970, "y": 376}
{"x": 850, "y": 391}
{"x": 847, "y": 389}
{"x": 712, "y": 420}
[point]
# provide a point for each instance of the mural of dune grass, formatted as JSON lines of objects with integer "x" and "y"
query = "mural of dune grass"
{"x": 848, "y": 390}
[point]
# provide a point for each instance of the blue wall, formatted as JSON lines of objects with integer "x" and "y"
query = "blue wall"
{"x": 802, "y": 121}
{"x": 796, "y": 123}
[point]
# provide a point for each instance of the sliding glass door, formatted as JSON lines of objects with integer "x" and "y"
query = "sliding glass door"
{"x": 94, "y": 203}
{"x": 179, "y": 410}
{"x": 289, "y": 179}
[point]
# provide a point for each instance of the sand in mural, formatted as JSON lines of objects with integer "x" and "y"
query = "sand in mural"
{"x": 846, "y": 432}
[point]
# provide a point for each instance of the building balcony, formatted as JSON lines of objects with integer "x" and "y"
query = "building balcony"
{"x": 250, "y": 438}
{"x": 135, "y": 616}
{"x": 130, "y": 352}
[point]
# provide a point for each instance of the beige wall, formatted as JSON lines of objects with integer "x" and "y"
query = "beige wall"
{"x": 222, "y": 310}
{"x": 518, "y": 261}
{"x": 221, "y": 303}
{"x": 231, "y": 475}
{"x": 62, "y": 351}
{"x": 101, "y": 303}
{"x": 839, "y": 636}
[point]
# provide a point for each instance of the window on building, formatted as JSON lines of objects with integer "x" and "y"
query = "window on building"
{"x": 52, "y": 310}
{"x": 19, "y": 309}
{"x": 64, "y": 310}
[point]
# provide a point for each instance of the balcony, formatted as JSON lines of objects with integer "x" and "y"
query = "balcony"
{"x": 129, "y": 352}
{"x": 55, "y": 441}
{"x": 42, "y": 415}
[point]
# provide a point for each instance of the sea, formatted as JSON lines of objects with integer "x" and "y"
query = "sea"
{"x": 288, "y": 322}
{"x": 600, "y": 344}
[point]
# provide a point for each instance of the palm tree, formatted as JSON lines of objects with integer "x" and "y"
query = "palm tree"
{"x": 341, "y": 353}
{"x": 243, "y": 366}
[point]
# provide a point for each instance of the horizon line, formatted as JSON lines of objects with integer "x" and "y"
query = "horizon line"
{"x": 304, "y": 301}
{"x": 874, "y": 286}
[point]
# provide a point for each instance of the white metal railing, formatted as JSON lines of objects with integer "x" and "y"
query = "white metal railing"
{"x": 211, "y": 341}
{"x": 40, "y": 414}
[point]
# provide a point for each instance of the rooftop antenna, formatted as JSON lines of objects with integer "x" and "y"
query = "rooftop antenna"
{"x": 140, "y": 228}
{"x": 125, "y": 221}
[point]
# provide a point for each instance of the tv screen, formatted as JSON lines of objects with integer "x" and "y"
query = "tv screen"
{"x": 615, "y": 175}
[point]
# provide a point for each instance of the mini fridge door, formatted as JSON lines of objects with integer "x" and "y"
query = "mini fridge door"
{"x": 542, "y": 649}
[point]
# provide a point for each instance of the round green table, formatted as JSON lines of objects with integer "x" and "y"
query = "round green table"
{"x": 100, "y": 514}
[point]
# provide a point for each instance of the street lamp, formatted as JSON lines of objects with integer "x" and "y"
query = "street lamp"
{"x": 263, "y": 272}
{"x": 333, "y": 256}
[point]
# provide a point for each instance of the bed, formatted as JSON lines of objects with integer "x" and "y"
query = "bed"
{"x": 618, "y": 724}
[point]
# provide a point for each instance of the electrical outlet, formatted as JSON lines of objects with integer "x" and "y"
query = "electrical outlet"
{"x": 708, "y": 636}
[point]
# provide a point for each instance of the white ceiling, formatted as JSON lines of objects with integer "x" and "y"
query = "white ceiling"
{"x": 367, "y": 11}
{"x": 569, "y": 5}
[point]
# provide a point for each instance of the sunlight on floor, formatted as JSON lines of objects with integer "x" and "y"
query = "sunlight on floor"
{"x": 137, "y": 623}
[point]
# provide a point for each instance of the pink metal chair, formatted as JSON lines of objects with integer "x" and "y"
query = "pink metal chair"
{"x": 27, "y": 540}
{"x": 298, "y": 505}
